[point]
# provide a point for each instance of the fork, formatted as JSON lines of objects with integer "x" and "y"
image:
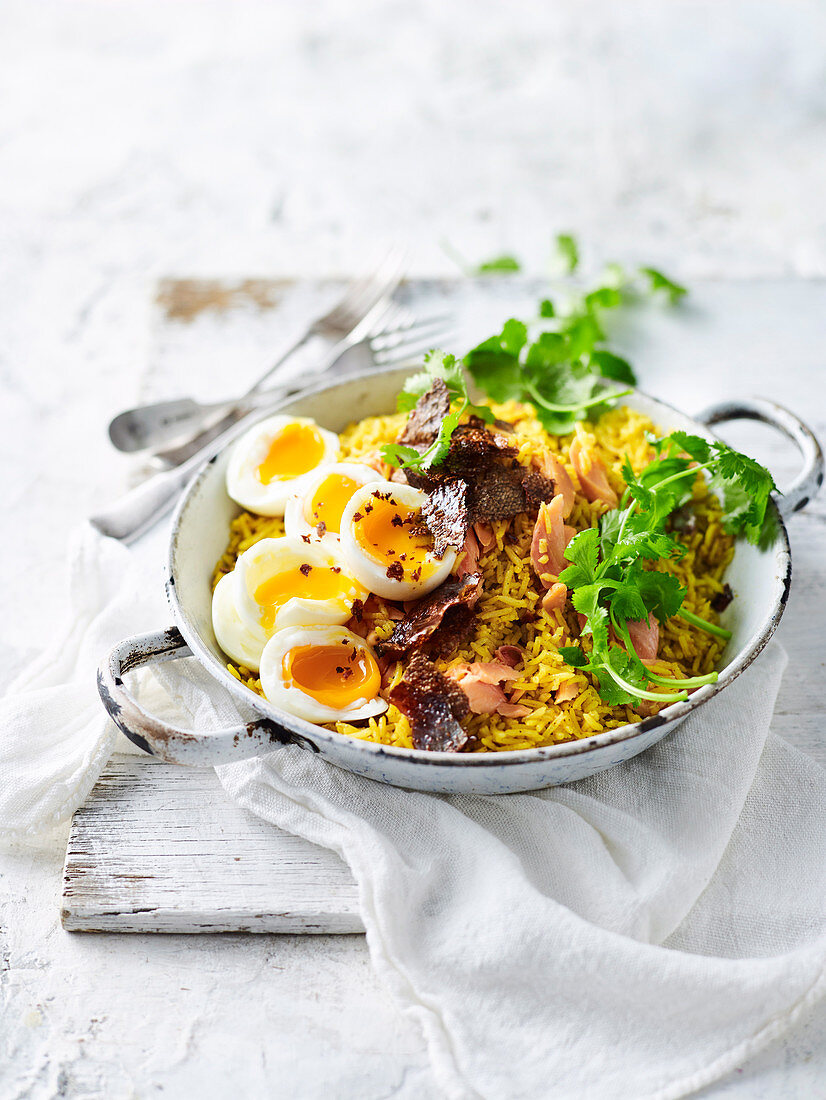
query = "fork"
{"x": 142, "y": 507}
{"x": 163, "y": 423}
{"x": 388, "y": 333}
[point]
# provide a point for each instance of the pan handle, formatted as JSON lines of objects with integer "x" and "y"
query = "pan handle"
{"x": 807, "y": 483}
{"x": 161, "y": 739}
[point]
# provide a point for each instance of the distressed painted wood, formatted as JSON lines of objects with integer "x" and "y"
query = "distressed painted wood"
{"x": 161, "y": 848}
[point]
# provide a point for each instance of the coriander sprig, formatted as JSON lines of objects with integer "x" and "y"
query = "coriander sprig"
{"x": 436, "y": 365}
{"x": 561, "y": 365}
{"x": 565, "y": 368}
{"x": 612, "y": 586}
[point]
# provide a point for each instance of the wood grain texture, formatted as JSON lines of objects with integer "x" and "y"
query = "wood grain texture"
{"x": 160, "y": 848}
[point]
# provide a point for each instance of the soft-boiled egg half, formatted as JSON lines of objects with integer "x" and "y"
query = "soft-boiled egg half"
{"x": 321, "y": 674}
{"x": 318, "y": 509}
{"x": 242, "y": 640}
{"x": 385, "y": 545}
{"x": 275, "y": 460}
{"x": 287, "y": 582}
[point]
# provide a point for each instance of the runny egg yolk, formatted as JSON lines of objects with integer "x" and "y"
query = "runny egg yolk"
{"x": 390, "y": 532}
{"x": 334, "y": 675}
{"x": 312, "y": 582}
{"x": 329, "y": 501}
{"x": 296, "y": 449}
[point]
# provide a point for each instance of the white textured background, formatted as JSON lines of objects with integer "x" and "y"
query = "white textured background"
{"x": 147, "y": 139}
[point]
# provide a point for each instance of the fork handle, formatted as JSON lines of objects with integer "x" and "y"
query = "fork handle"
{"x": 163, "y": 424}
{"x": 140, "y": 509}
{"x": 203, "y": 428}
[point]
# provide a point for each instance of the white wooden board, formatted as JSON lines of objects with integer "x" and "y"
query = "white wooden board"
{"x": 161, "y": 848}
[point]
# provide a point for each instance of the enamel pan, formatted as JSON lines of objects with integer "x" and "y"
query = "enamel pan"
{"x": 760, "y": 579}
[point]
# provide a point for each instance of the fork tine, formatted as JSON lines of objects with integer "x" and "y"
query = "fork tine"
{"x": 406, "y": 323}
{"x": 424, "y": 328}
{"x": 352, "y": 300}
{"x": 413, "y": 349}
{"x": 381, "y": 318}
{"x": 395, "y": 319}
{"x": 363, "y": 295}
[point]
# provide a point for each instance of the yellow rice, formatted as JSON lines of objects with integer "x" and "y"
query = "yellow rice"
{"x": 509, "y": 591}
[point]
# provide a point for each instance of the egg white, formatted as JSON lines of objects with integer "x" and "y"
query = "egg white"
{"x": 291, "y": 698}
{"x": 241, "y": 640}
{"x": 272, "y": 556}
{"x": 371, "y": 572}
{"x": 295, "y": 518}
{"x": 243, "y": 483}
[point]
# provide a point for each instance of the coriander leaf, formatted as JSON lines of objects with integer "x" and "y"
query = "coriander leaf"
{"x": 396, "y": 454}
{"x": 628, "y": 667}
{"x": 567, "y": 251}
{"x": 547, "y": 308}
{"x": 744, "y": 510}
{"x": 560, "y": 391}
{"x": 627, "y": 603}
{"x": 583, "y": 333}
{"x": 768, "y": 530}
{"x": 437, "y": 364}
{"x": 415, "y": 386}
{"x": 575, "y": 577}
{"x": 661, "y": 445}
{"x": 631, "y": 675}
{"x": 549, "y": 349}
{"x": 662, "y": 486}
{"x": 603, "y": 297}
{"x": 640, "y": 493}
{"x": 614, "y": 275}
{"x": 659, "y": 282}
{"x": 436, "y": 453}
{"x": 610, "y": 524}
{"x": 745, "y": 487}
{"x": 514, "y": 336}
{"x": 586, "y": 602}
{"x": 583, "y": 552}
{"x": 661, "y": 593}
{"x": 613, "y": 366}
{"x": 555, "y": 423}
{"x": 406, "y": 399}
{"x": 555, "y": 385}
{"x": 609, "y": 690}
{"x": 494, "y": 364}
{"x": 650, "y": 545}
{"x": 484, "y": 412}
{"x": 653, "y": 475}
{"x": 399, "y": 455}
{"x": 693, "y": 445}
{"x": 573, "y": 655}
{"x": 498, "y": 265}
{"x": 734, "y": 466}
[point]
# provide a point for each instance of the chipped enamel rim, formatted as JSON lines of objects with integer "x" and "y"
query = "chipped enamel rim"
{"x": 307, "y": 733}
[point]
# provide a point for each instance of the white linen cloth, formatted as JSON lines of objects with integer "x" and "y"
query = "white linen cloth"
{"x": 637, "y": 934}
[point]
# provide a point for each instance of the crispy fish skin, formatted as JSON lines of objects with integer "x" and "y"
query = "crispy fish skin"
{"x": 432, "y": 619}
{"x": 434, "y": 706}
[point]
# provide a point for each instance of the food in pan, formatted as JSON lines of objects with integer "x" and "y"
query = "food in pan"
{"x": 278, "y": 583}
{"x": 480, "y": 578}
